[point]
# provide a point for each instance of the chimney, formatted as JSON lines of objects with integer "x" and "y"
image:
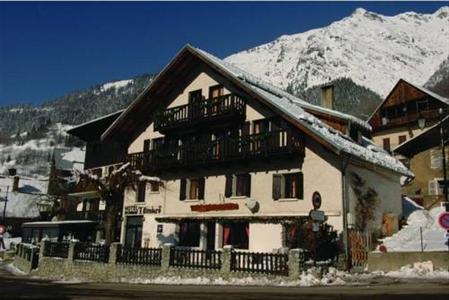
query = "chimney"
{"x": 327, "y": 96}
{"x": 15, "y": 184}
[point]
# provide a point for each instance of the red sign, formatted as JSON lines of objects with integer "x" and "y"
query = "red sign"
{"x": 316, "y": 200}
{"x": 2, "y": 229}
{"x": 212, "y": 207}
{"x": 443, "y": 220}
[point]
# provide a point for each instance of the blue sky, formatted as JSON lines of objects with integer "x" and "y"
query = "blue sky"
{"x": 49, "y": 49}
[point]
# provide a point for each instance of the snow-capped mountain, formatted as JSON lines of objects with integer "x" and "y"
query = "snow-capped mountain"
{"x": 439, "y": 81}
{"x": 372, "y": 49}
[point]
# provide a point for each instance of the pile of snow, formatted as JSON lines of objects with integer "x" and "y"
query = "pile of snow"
{"x": 409, "y": 238}
{"x": 422, "y": 270}
{"x": 9, "y": 240}
{"x": 14, "y": 270}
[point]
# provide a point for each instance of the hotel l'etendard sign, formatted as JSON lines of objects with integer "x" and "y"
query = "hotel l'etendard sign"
{"x": 142, "y": 210}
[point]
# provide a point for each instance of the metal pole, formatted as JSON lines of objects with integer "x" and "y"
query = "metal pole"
{"x": 445, "y": 186}
{"x": 420, "y": 234}
{"x": 4, "y": 208}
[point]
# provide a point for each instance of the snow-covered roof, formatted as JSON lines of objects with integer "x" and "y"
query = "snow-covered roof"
{"x": 257, "y": 82}
{"x": 23, "y": 203}
{"x": 69, "y": 159}
{"x": 293, "y": 107}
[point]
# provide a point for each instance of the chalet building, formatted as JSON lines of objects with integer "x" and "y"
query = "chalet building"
{"x": 406, "y": 112}
{"x": 101, "y": 157}
{"x": 239, "y": 161}
{"x": 426, "y": 161}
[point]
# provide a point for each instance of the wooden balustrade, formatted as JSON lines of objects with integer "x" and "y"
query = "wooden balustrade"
{"x": 172, "y": 155}
{"x": 193, "y": 113}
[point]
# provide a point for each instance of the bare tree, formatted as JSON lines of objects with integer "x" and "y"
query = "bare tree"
{"x": 111, "y": 189}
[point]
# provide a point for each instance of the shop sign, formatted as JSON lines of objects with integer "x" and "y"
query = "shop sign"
{"x": 142, "y": 210}
{"x": 317, "y": 215}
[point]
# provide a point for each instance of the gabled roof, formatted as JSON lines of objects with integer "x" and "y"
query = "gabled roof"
{"x": 92, "y": 130}
{"x": 287, "y": 105}
{"x": 427, "y": 139}
{"x": 418, "y": 87}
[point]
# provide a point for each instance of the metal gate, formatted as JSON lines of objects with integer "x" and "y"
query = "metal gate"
{"x": 359, "y": 246}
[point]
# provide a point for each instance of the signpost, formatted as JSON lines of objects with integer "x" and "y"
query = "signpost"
{"x": 443, "y": 220}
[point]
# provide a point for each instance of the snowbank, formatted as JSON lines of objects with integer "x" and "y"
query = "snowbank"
{"x": 409, "y": 238}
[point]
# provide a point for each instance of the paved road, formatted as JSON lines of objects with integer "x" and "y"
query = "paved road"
{"x": 22, "y": 287}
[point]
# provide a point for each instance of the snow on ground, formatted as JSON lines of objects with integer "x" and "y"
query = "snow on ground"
{"x": 76, "y": 157}
{"x": 409, "y": 238}
{"x": 13, "y": 269}
{"x": 8, "y": 241}
{"x": 422, "y": 270}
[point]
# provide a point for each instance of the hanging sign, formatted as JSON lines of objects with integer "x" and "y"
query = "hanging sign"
{"x": 141, "y": 210}
{"x": 317, "y": 215}
{"x": 443, "y": 220}
{"x": 316, "y": 200}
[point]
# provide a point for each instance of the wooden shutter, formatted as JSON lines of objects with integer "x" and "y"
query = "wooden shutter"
{"x": 146, "y": 145}
{"x": 201, "y": 183}
{"x": 300, "y": 185}
{"x": 248, "y": 185}
{"x": 228, "y": 186}
{"x": 277, "y": 183}
{"x": 182, "y": 190}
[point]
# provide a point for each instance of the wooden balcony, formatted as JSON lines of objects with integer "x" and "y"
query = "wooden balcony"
{"x": 410, "y": 119}
{"x": 279, "y": 143}
{"x": 228, "y": 107}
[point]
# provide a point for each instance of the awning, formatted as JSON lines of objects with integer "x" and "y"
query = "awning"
{"x": 250, "y": 219}
{"x": 84, "y": 195}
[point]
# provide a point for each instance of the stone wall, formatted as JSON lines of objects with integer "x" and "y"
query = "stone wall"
{"x": 25, "y": 258}
{"x": 392, "y": 261}
{"x": 58, "y": 268}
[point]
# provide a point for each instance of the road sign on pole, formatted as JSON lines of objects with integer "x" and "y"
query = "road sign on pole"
{"x": 443, "y": 220}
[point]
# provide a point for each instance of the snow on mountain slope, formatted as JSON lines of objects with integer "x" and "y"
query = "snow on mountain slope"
{"x": 371, "y": 49}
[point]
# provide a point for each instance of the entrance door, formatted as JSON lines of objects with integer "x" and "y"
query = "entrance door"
{"x": 210, "y": 236}
{"x": 133, "y": 237}
{"x": 195, "y": 98}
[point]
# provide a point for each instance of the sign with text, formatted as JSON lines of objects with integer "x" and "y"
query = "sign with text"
{"x": 142, "y": 210}
{"x": 317, "y": 215}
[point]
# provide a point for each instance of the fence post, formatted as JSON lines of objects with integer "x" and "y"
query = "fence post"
{"x": 165, "y": 263}
{"x": 226, "y": 257}
{"x": 42, "y": 249}
{"x": 71, "y": 254}
{"x": 113, "y": 252}
{"x": 294, "y": 263}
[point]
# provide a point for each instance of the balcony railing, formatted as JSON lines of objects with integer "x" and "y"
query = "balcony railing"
{"x": 227, "y": 106}
{"x": 428, "y": 115}
{"x": 255, "y": 146}
{"x": 97, "y": 216}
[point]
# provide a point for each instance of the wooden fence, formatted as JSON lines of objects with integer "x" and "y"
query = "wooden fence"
{"x": 259, "y": 263}
{"x": 56, "y": 249}
{"x": 189, "y": 258}
{"x": 359, "y": 246}
{"x": 92, "y": 252}
{"x": 139, "y": 256}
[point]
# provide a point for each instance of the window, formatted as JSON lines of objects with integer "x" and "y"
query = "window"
{"x": 436, "y": 158}
{"x": 192, "y": 188}
{"x": 288, "y": 186}
{"x": 154, "y": 186}
{"x": 216, "y": 91}
{"x": 238, "y": 185}
{"x": 386, "y": 144}
{"x": 236, "y": 234}
{"x": 402, "y": 139}
{"x": 189, "y": 234}
{"x": 141, "y": 187}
